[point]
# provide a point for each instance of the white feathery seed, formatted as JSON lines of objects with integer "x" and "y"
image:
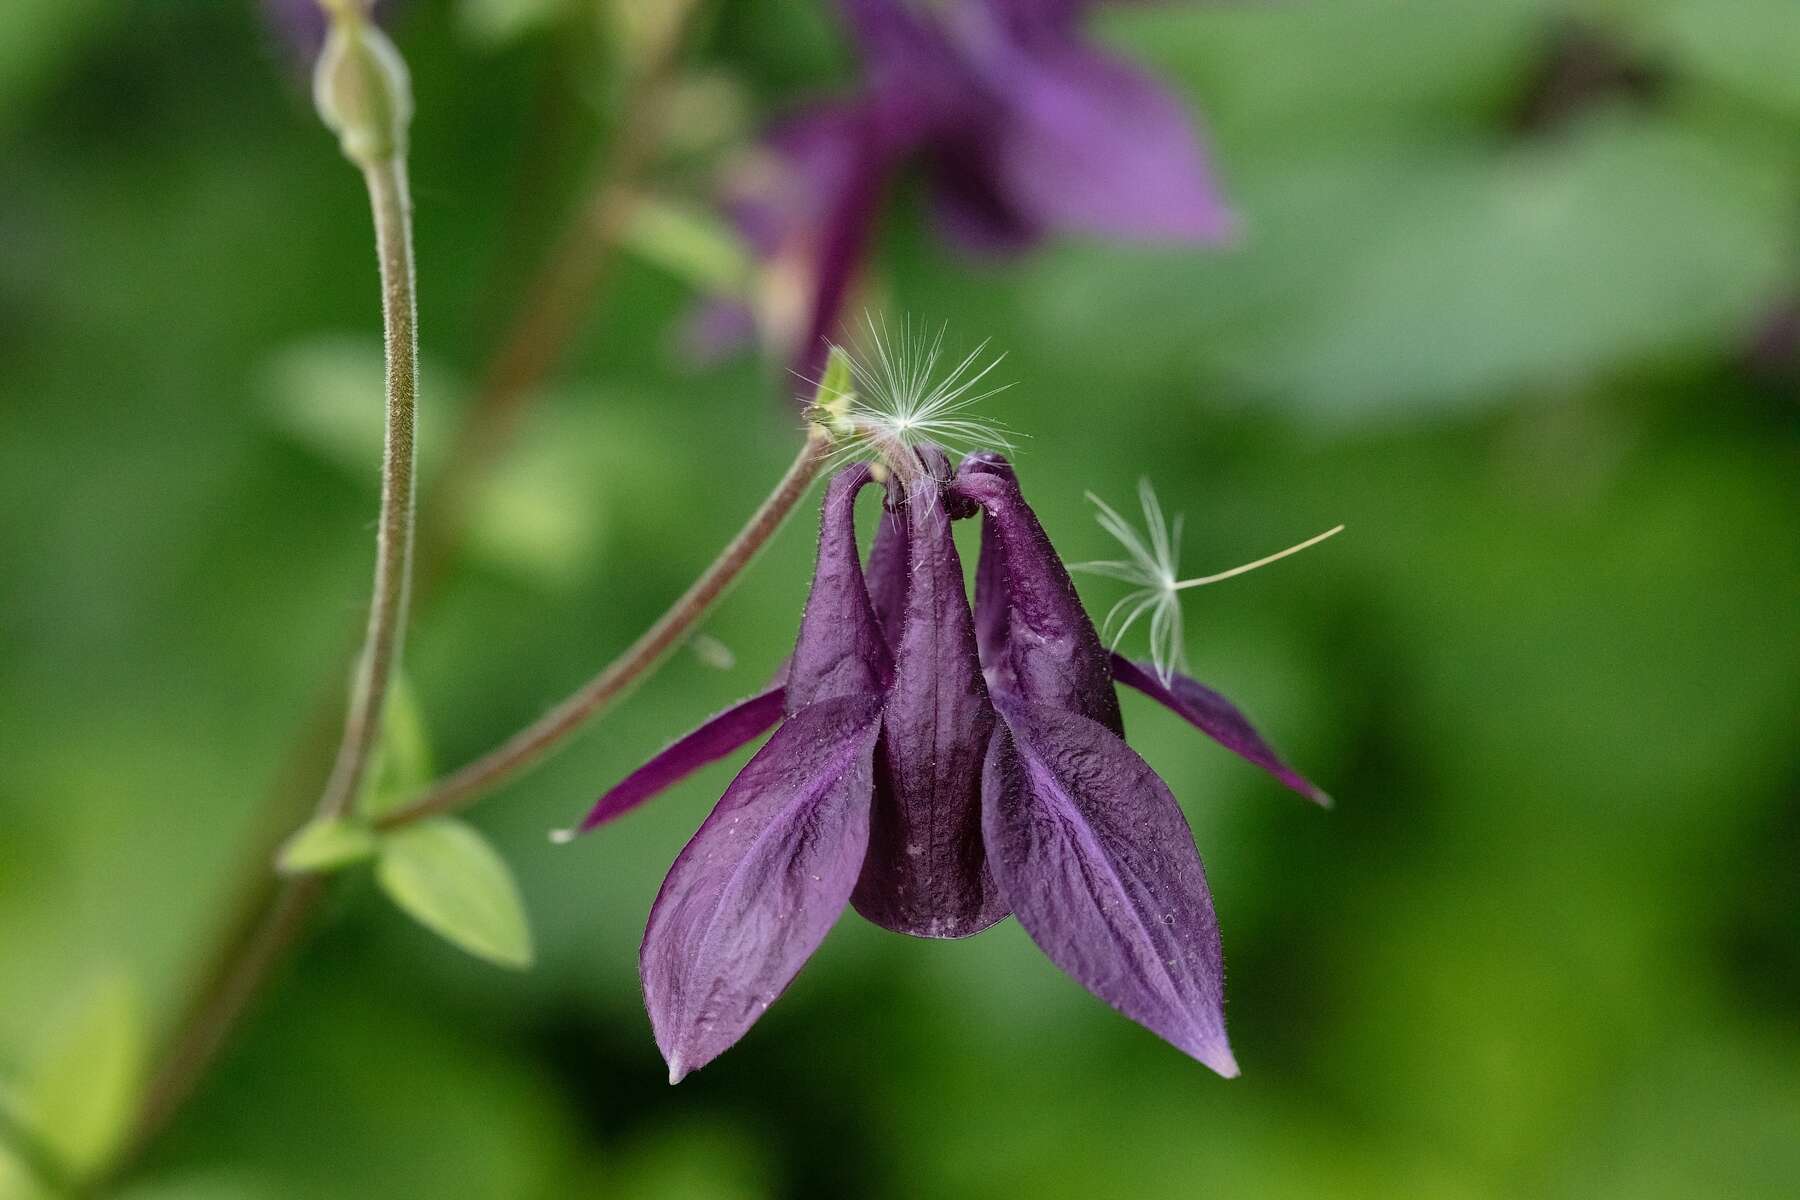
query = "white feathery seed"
{"x": 1152, "y": 565}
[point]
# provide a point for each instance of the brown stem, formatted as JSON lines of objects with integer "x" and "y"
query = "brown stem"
{"x": 531, "y": 744}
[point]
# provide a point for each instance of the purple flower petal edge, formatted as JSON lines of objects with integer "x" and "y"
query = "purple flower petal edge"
{"x": 1217, "y": 718}
{"x": 713, "y": 740}
{"x": 754, "y": 893}
{"x": 1099, "y": 865}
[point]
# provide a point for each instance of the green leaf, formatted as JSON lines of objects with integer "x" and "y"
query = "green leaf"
{"x": 444, "y": 875}
{"x": 403, "y": 763}
{"x": 80, "y": 1090}
{"x": 690, "y": 243}
{"x": 325, "y": 845}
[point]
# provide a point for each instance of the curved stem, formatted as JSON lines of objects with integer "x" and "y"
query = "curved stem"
{"x": 273, "y": 922}
{"x": 386, "y": 635}
{"x": 271, "y": 928}
{"x": 531, "y": 744}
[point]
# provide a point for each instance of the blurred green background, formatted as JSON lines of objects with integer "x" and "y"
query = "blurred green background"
{"x": 1508, "y": 306}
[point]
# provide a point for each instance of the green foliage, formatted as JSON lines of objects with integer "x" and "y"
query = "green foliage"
{"x": 78, "y": 1091}
{"x": 1546, "y": 945}
{"x": 446, "y": 876}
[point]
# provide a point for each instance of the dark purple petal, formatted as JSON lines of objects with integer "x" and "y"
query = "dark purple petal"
{"x": 992, "y": 613}
{"x": 926, "y": 873}
{"x": 1085, "y": 144}
{"x": 808, "y": 214}
{"x": 1098, "y": 863}
{"x": 843, "y": 244}
{"x": 754, "y": 893}
{"x": 886, "y": 573}
{"x": 719, "y": 736}
{"x": 840, "y": 650}
{"x": 1053, "y": 656}
{"x": 968, "y": 206}
{"x": 818, "y": 220}
{"x": 1217, "y": 718}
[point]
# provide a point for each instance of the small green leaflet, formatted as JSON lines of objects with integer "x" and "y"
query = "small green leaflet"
{"x": 325, "y": 845}
{"x": 448, "y": 878}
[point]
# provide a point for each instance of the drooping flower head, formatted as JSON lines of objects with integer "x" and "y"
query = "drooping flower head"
{"x": 937, "y": 768}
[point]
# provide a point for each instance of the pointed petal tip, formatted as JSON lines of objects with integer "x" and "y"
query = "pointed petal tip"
{"x": 1212, "y": 1050}
{"x": 677, "y": 1070}
{"x": 562, "y": 837}
{"x": 1218, "y": 1056}
{"x": 1322, "y": 798}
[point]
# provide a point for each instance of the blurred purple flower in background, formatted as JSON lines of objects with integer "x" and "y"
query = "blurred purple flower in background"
{"x": 1023, "y": 127}
{"x": 938, "y": 769}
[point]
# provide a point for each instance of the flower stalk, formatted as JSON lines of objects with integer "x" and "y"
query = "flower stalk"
{"x": 363, "y": 94}
{"x": 532, "y": 744}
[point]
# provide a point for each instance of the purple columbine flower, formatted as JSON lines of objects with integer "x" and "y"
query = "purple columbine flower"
{"x": 1024, "y": 127}
{"x": 937, "y": 769}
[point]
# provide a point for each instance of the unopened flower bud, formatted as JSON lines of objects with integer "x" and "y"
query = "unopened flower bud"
{"x": 360, "y": 86}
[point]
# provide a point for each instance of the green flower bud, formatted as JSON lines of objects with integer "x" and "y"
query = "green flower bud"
{"x": 361, "y": 88}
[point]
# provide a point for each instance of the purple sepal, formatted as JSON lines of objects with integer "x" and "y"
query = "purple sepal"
{"x": 1217, "y": 718}
{"x": 754, "y": 893}
{"x": 1052, "y": 654}
{"x": 886, "y": 573}
{"x": 735, "y": 727}
{"x": 926, "y": 873}
{"x": 1099, "y": 865}
{"x": 840, "y": 650}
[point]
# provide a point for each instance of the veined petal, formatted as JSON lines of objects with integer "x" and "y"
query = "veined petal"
{"x": 713, "y": 740}
{"x": 754, "y": 893}
{"x": 926, "y": 873}
{"x": 1217, "y": 718}
{"x": 1098, "y": 863}
{"x": 1053, "y": 656}
{"x": 840, "y": 650}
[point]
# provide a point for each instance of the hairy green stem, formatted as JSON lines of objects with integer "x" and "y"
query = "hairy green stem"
{"x": 386, "y": 635}
{"x": 275, "y": 920}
